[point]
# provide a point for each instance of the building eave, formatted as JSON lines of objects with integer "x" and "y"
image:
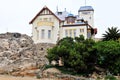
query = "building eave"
{"x": 40, "y": 12}
{"x": 71, "y": 25}
{"x": 85, "y": 10}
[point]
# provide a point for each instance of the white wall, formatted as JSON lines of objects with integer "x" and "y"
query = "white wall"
{"x": 36, "y": 29}
{"x": 57, "y": 31}
{"x": 77, "y": 30}
{"x": 88, "y": 17}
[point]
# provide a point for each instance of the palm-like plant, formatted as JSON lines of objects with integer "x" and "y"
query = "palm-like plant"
{"x": 111, "y": 34}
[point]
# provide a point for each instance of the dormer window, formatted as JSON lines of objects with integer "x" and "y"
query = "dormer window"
{"x": 70, "y": 19}
{"x": 59, "y": 13}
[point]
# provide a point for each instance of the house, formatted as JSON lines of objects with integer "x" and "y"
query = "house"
{"x": 49, "y": 27}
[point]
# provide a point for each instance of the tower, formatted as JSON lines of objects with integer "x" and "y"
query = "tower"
{"x": 87, "y": 13}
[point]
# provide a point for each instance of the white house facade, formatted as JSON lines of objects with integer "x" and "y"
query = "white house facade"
{"x": 49, "y": 27}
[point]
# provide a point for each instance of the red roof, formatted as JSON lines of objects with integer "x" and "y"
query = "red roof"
{"x": 40, "y": 12}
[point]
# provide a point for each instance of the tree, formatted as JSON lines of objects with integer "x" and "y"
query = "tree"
{"x": 76, "y": 54}
{"x": 62, "y": 49}
{"x": 83, "y": 56}
{"x": 108, "y": 55}
{"x": 111, "y": 34}
{"x": 80, "y": 38}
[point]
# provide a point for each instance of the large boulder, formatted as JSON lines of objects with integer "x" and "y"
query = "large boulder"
{"x": 18, "y": 53}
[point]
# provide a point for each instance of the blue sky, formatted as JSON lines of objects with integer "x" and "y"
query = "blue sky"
{"x": 16, "y": 14}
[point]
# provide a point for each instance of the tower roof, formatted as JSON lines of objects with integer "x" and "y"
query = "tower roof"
{"x": 70, "y": 15}
{"x": 86, "y": 8}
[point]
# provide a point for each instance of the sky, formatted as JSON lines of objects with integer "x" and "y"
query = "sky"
{"x": 15, "y": 15}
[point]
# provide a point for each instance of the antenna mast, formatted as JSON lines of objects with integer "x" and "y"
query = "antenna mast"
{"x": 85, "y": 2}
{"x": 57, "y": 8}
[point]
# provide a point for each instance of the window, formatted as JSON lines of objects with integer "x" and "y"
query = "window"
{"x": 70, "y": 33}
{"x": 46, "y": 12}
{"x": 42, "y": 33}
{"x": 88, "y": 35}
{"x": 86, "y": 12}
{"x": 59, "y": 13}
{"x": 37, "y": 34}
{"x": 66, "y": 33}
{"x": 89, "y": 17}
{"x": 81, "y": 30}
{"x": 70, "y": 20}
{"x": 49, "y": 34}
{"x": 45, "y": 19}
{"x": 74, "y": 32}
{"x": 50, "y": 19}
{"x": 40, "y": 19}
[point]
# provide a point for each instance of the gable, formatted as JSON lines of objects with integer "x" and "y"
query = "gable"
{"x": 44, "y": 11}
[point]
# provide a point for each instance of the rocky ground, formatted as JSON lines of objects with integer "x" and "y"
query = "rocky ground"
{"x": 7, "y": 77}
{"x": 19, "y": 56}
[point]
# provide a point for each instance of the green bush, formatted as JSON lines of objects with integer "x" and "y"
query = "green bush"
{"x": 110, "y": 77}
{"x": 76, "y": 54}
{"x": 82, "y": 56}
{"x": 108, "y": 56}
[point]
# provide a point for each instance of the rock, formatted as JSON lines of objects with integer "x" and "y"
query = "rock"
{"x": 54, "y": 62}
{"x": 19, "y": 55}
{"x": 4, "y": 44}
{"x": 52, "y": 70}
{"x": 94, "y": 75}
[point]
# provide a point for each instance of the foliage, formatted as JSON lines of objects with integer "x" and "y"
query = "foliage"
{"x": 82, "y": 56}
{"x": 110, "y": 77}
{"x": 74, "y": 53}
{"x": 65, "y": 70}
{"x": 111, "y": 34}
{"x": 48, "y": 66}
{"x": 108, "y": 55}
{"x": 80, "y": 38}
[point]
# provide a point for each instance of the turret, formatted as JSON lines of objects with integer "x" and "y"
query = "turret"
{"x": 87, "y": 13}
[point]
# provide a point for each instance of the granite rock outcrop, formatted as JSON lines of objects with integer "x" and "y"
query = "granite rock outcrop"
{"x": 20, "y": 56}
